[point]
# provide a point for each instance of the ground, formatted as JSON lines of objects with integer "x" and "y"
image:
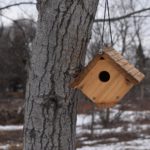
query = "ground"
{"x": 130, "y": 132}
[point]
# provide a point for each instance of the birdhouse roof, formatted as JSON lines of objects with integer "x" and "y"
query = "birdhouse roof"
{"x": 118, "y": 61}
{"x": 124, "y": 65}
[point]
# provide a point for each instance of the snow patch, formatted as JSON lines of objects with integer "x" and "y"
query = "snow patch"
{"x": 11, "y": 127}
{"x": 4, "y": 147}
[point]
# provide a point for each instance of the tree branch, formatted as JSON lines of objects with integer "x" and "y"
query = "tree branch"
{"x": 124, "y": 16}
{"x": 17, "y": 4}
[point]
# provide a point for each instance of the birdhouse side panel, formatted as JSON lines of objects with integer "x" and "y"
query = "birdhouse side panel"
{"x": 77, "y": 81}
{"x": 91, "y": 82}
{"x": 115, "y": 90}
{"x": 100, "y": 91}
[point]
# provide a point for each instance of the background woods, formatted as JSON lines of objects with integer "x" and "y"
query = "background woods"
{"x": 14, "y": 52}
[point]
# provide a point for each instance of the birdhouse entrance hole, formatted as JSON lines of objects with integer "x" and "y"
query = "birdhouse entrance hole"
{"x": 104, "y": 76}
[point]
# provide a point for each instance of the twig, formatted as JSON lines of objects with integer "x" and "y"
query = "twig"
{"x": 17, "y": 4}
{"x": 124, "y": 16}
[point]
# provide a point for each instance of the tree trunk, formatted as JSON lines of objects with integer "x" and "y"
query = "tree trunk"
{"x": 63, "y": 31}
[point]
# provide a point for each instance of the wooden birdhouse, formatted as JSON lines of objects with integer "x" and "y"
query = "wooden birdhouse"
{"x": 107, "y": 78}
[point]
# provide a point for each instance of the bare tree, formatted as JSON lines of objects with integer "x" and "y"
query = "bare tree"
{"x": 64, "y": 28}
{"x": 14, "y": 47}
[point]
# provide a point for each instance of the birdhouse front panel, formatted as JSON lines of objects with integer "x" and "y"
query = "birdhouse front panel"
{"x": 104, "y": 84}
{"x": 107, "y": 78}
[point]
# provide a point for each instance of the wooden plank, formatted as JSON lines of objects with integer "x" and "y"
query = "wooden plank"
{"x": 115, "y": 90}
{"x": 139, "y": 76}
{"x": 92, "y": 81}
{"x": 128, "y": 67}
{"x": 85, "y": 71}
{"x": 133, "y": 71}
{"x": 105, "y": 93}
{"x": 122, "y": 62}
{"x": 117, "y": 58}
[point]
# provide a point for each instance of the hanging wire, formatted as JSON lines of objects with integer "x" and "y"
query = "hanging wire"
{"x": 104, "y": 23}
{"x": 110, "y": 30}
{"x": 109, "y": 22}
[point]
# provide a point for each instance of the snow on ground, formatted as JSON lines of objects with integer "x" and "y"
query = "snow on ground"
{"x": 4, "y": 147}
{"x": 11, "y": 127}
{"x": 129, "y": 116}
{"x": 9, "y": 147}
{"x": 133, "y": 116}
{"x": 141, "y": 142}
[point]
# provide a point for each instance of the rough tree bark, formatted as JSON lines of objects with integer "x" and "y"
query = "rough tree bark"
{"x": 63, "y": 31}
